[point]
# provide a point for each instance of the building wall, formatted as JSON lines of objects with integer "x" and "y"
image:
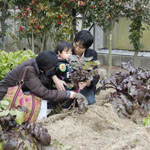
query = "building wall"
{"x": 121, "y": 40}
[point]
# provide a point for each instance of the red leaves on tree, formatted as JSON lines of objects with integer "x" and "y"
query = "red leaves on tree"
{"x": 37, "y": 26}
{"x": 20, "y": 28}
{"x": 34, "y": 21}
{"x": 100, "y": 4}
{"x": 82, "y": 3}
{"x": 93, "y": 6}
{"x": 59, "y": 16}
{"x": 28, "y": 9}
{"x": 35, "y": 2}
{"x": 59, "y": 23}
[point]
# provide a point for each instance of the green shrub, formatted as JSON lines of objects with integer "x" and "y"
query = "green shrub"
{"x": 9, "y": 60}
{"x": 146, "y": 121}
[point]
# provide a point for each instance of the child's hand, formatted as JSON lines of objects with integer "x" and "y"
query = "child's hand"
{"x": 60, "y": 84}
{"x": 88, "y": 83}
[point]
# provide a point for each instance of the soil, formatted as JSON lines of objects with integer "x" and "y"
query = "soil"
{"x": 99, "y": 128}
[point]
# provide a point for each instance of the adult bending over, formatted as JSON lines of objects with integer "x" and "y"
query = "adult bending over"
{"x": 36, "y": 79}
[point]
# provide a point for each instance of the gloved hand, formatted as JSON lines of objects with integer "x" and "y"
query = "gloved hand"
{"x": 82, "y": 103}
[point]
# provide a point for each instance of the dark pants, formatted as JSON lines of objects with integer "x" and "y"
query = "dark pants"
{"x": 89, "y": 94}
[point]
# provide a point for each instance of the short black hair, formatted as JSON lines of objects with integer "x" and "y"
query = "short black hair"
{"x": 85, "y": 37}
{"x": 63, "y": 45}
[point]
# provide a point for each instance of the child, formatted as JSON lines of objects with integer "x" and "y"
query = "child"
{"x": 63, "y": 68}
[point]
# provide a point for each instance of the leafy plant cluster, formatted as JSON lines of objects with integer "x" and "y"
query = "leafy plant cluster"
{"x": 132, "y": 90}
{"x": 138, "y": 15}
{"x": 9, "y": 60}
{"x": 83, "y": 69}
{"x": 15, "y": 134}
{"x": 46, "y": 20}
{"x": 107, "y": 12}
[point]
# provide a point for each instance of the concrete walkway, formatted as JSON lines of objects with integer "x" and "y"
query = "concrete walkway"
{"x": 124, "y": 52}
{"x": 119, "y": 56}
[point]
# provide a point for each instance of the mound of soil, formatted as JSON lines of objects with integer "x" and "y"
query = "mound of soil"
{"x": 99, "y": 128}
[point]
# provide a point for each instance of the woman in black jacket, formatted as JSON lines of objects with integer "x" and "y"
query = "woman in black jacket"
{"x": 36, "y": 79}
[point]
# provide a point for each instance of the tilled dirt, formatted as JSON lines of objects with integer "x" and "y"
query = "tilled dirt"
{"x": 99, "y": 128}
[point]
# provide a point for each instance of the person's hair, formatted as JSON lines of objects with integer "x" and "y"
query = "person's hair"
{"x": 43, "y": 62}
{"x": 63, "y": 45}
{"x": 85, "y": 38}
{"x": 46, "y": 60}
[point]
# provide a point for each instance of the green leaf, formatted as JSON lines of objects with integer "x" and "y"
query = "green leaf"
{"x": 146, "y": 121}
{"x": 19, "y": 116}
{"x": 9, "y": 60}
{"x": 4, "y": 104}
{"x": 2, "y": 145}
{"x": 67, "y": 147}
{"x": 4, "y": 113}
{"x": 90, "y": 64}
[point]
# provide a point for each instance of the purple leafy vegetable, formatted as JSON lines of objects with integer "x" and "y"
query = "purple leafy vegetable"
{"x": 132, "y": 90}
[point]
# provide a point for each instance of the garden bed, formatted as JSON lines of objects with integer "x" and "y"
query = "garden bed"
{"x": 99, "y": 128}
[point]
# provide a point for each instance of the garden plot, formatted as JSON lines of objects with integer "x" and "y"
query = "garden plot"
{"x": 99, "y": 128}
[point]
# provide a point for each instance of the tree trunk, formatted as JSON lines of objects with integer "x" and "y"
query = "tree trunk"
{"x": 14, "y": 21}
{"x": 135, "y": 58}
{"x": 73, "y": 24}
{"x": 110, "y": 53}
{"x": 14, "y": 26}
{"x": 32, "y": 41}
{"x": 18, "y": 43}
{"x": 29, "y": 43}
{"x": 83, "y": 19}
{"x": 43, "y": 42}
{"x": 4, "y": 10}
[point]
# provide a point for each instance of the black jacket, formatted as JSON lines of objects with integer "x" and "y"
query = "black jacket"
{"x": 92, "y": 53}
{"x": 63, "y": 70}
